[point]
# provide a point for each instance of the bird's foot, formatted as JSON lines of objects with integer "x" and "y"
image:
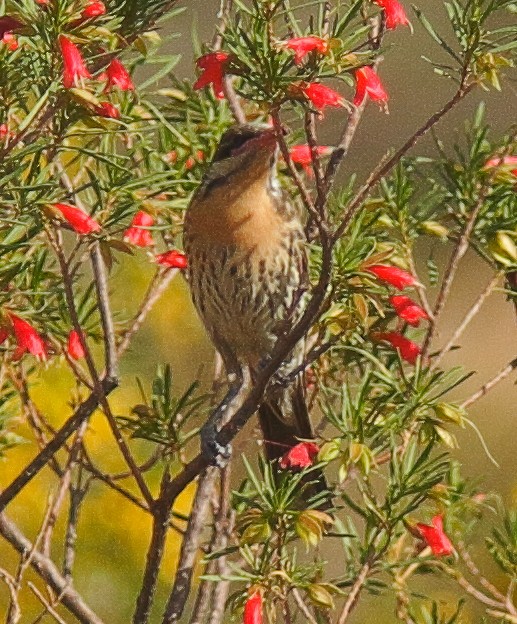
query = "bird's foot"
{"x": 216, "y": 453}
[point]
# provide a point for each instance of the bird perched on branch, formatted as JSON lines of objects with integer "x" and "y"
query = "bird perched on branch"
{"x": 247, "y": 274}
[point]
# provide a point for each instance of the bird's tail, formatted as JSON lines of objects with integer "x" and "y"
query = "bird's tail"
{"x": 285, "y": 421}
{"x": 283, "y": 430}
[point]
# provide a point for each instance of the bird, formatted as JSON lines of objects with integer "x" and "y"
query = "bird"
{"x": 247, "y": 271}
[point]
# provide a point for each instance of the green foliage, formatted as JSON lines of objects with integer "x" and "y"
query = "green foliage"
{"x": 163, "y": 418}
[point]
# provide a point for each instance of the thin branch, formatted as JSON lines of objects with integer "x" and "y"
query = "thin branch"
{"x": 109, "y": 345}
{"x": 101, "y": 286}
{"x": 77, "y": 493}
{"x": 354, "y": 592}
{"x": 475, "y": 571}
{"x": 304, "y": 192}
{"x": 485, "y": 388}
{"x": 70, "y": 598}
{"x": 387, "y": 164}
{"x": 224, "y": 524}
{"x": 303, "y": 607}
{"x": 49, "y": 608}
{"x": 189, "y": 548}
{"x": 469, "y": 588}
{"x": 15, "y": 613}
{"x": 460, "y": 250}
{"x": 82, "y": 413}
{"x": 471, "y": 313}
{"x": 161, "y": 280}
{"x": 161, "y": 515}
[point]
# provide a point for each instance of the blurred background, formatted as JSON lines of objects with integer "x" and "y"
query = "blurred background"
{"x": 113, "y": 534}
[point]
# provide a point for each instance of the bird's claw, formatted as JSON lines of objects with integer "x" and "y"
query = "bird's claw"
{"x": 216, "y": 453}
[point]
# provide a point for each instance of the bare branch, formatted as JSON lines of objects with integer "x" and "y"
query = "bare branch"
{"x": 471, "y": 313}
{"x": 190, "y": 547}
{"x": 83, "y": 412}
{"x": 70, "y": 598}
{"x": 485, "y": 388}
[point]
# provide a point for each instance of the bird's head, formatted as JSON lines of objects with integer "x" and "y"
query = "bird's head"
{"x": 244, "y": 151}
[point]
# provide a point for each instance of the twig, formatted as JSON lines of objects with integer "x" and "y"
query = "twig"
{"x": 189, "y": 548}
{"x": 302, "y": 606}
{"x": 110, "y": 355}
{"x": 469, "y": 588}
{"x": 161, "y": 280}
{"x": 224, "y": 523}
{"x": 387, "y": 164}
{"x": 48, "y": 607}
{"x": 304, "y": 192}
{"x": 101, "y": 285}
{"x": 161, "y": 514}
{"x": 354, "y": 592}
{"x": 474, "y": 570}
{"x": 420, "y": 288}
{"x": 460, "y": 250}
{"x": 55, "y": 509}
{"x": 474, "y": 309}
{"x": 83, "y": 412}
{"x": 485, "y": 388}
{"x": 77, "y": 493}
{"x": 15, "y": 612}
{"x": 229, "y": 92}
{"x": 70, "y": 598}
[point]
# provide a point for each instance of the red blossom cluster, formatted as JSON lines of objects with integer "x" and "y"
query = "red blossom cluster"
{"x": 74, "y": 346}
{"x": 215, "y": 65}
{"x": 503, "y": 162}
{"x": 405, "y": 308}
{"x": 93, "y": 10}
{"x": 394, "y": 13}
{"x": 136, "y": 234}
{"x": 301, "y": 455}
{"x": 301, "y": 46}
{"x": 10, "y": 41}
{"x": 301, "y": 155}
{"x": 253, "y": 609}
{"x": 435, "y": 537}
{"x": 27, "y": 338}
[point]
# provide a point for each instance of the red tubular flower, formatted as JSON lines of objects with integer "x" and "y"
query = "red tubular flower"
{"x": 213, "y": 67}
{"x": 135, "y": 234}
{"x": 392, "y": 275}
{"x": 253, "y": 609}
{"x": 42, "y": 2}
{"x": 394, "y": 12}
{"x": 504, "y": 162}
{"x": 408, "y": 349}
{"x": 93, "y": 9}
{"x": 321, "y": 96}
{"x": 172, "y": 259}
{"x": 74, "y": 347}
{"x": 408, "y": 310}
{"x": 368, "y": 83}
{"x": 27, "y": 338}
{"x": 301, "y": 46}
{"x": 301, "y": 455}
{"x": 435, "y": 537}
{"x": 10, "y": 41}
{"x": 301, "y": 155}
{"x": 73, "y": 63}
{"x": 81, "y": 222}
{"x": 106, "y": 109}
{"x": 118, "y": 76}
